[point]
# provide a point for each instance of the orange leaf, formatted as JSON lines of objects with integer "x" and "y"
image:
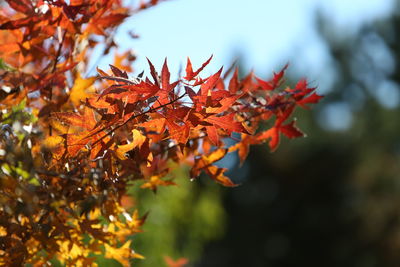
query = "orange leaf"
{"x": 273, "y": 135}
{"x": 71, "y": 119}
{"x": 178, "y": 132}
{"x": 165, "y": 76}
{"x": 243, "y": 146}
{"x": 207, "y": 160}
{"x": 9, "y": 48}
{"x": 175, "y": 263}
{"x": 234, "y": 82}
{"x": 217, "y": 174}
{"x": 190, "y": 75}
{"x": 210, "y": 83}
{"x": 213, "y": 135}
{"x": 227, "y": 122}
{"x": 23, "y": 6}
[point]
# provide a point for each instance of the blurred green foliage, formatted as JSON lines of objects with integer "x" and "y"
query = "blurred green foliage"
{"x": 15, "y": 131}
{"x": 181, "y": 219}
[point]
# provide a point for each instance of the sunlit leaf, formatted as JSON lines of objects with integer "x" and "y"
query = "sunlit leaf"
{"x": 79, "y": 91}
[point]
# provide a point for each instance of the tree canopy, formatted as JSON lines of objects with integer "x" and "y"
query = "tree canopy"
{"x": 72, "y": 143}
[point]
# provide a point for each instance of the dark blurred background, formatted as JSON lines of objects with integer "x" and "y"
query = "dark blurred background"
{"x": 330, "y": 199}
{"x": 333, "y": 198}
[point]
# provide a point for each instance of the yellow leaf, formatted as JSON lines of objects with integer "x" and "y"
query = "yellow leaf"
{"x": 121, "y": 254}
{"x": 156, "y": 181}
{"x": 59, "y": 127}
{"x": 69, "y": 250}
{"x": 149, "y": 159}
{"x": 81, "y": 89}
{"x": 55, "y": 144}
{"x": 216, "y": 173}
{"x": 123, "y": 149}
{"x": 215, "y": 155}
{"x": 138, "y": 256}
{"x": 138, "y": 140}
{"x": 3, "y": 231}
{"x": 26, "y": 45}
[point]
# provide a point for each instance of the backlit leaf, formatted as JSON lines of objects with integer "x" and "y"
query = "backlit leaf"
{"x": 211, "y": 82}
{"x": 79, "y": 91}
{"x": 190, "y": 75}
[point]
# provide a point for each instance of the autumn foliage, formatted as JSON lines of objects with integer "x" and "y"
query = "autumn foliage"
{"x": 71, "y": 143}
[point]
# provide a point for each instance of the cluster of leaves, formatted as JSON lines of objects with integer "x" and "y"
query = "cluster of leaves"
{"x": 74, "y": 143}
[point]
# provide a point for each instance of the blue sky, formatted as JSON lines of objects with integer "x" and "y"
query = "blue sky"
{"x": 267, "y": 33}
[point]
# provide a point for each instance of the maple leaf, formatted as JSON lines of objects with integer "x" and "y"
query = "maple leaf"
{"x": 80, "y": 129}
{"x": 123, "y": 61}
{"x": 223, "y": 104}
{"x": 290, "y": 130}
{"x": 154, "y": 181}
{"x": 165, "y": 76}
{"x": 56, "y": 145}
{"x": 93, "y": 228}
{"x": 243, "y": 146}
{"x": 234, "y": 82}
{"x": 210, "y": 83}
{"x": 217, "y": 174}
{"x": 101, "y": 104}
{"x": 312, "y": 99}
{"x": 71, "y": 249}
{"x": 204, "y": 163}
{"x": 227, "y": 122}
{"x": 273, "y": 134}
{"x": 23, "y": 6}
{"x": 153, "y": 73}
{"x": 274, "y": 82}
{"x": 99, "y": 23}
{"x": 79, "y": 91}
{"x": 117, "y": 72}
{"x": 212, "y": 133}
{"x": 122, "y": 254}
{"x": 304, "y": 95}
{"x": 138, "y": 140}
{"x": 247, "y": 84}
{"x": 154, "y": 128}
{"x": 178, "y": 132}
{"x": 278, "y": 76}
{"x": 131, "y": 93}
{"x": 19, "y": 23}
{"x": 164, "y": 94}
{"x": 190, "y": 74}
